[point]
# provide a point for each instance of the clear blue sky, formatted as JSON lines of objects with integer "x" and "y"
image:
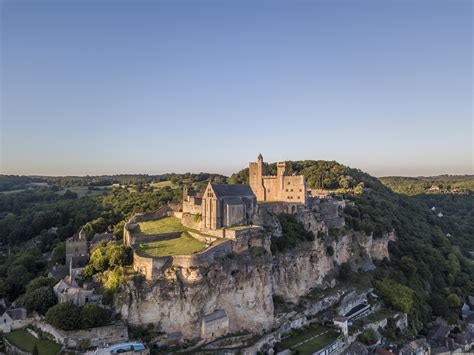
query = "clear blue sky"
{"x": 99, "y": 87}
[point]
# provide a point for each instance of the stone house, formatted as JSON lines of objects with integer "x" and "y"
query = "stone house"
{"x": 76, "y": 246}
{"x": 67, "y": 290}
{"x": 341, "y": 322}
{"x": 12, "y": 318}
{"x": 192, "y": 201}
{"x": 227, "y": 206}
{"x": 279, "y": 187}
{"x": 104, "y": 237}
{"x": 215, "y": 324}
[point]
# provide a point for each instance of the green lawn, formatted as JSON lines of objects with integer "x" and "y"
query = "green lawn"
{"x": 26, "y": 342}
{"x": 317, "y": 343}
{"x": 183, "y": 245}
{"x": 300, "y": 335}
{"x": 159, "y": 226}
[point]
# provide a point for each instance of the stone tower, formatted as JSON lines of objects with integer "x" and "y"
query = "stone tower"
{"x": 256, "y": 173}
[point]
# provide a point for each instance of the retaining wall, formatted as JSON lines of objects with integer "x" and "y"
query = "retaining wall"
{"x": 100, "y": 336}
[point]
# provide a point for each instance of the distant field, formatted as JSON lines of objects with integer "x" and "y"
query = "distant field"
{"x": 164, "y": 225}
{"x": 422, "y": 185}
{"x": 82, "y": 191}
{"x": 183, "y": 245}
{"x": 162, "y": 184}
{"x": 26, "y": 342}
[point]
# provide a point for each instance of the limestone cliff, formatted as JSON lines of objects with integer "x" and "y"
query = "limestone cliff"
{"x": 244, "y": 283}
{"x": 242, "y": 286}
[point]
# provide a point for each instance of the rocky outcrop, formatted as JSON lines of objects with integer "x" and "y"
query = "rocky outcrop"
{"x": 242, "y": 286}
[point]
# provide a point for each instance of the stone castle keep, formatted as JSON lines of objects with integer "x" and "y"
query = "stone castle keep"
{"x": 279, "y": 187}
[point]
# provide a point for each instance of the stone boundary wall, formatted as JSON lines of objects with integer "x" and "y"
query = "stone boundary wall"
{"x": 204, "y": 258}
{"x": 203, "y": 238}
{"x": 149, "y": 238}
{"x": 187, "y": 220}
{"x": 100, "y": 336}
{"x": 150, "y": 216}
{"x": 151, "y": 267}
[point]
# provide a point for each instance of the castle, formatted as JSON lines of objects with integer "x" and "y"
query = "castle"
{"x": 280, "y": 187}
{"x": 222, "y": 206}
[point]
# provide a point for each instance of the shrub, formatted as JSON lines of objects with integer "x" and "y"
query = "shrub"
{"x": 93, "y": 316}
{"x": 66, "y": 316}
{"x": 40, "y": 299}
{"x": 294, "y": 232}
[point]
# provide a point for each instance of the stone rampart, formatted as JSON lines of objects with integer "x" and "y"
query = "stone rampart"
{"x": 93, "y": 337}
{"x": 152, "y": 267}
{"x": 150, "y": 238}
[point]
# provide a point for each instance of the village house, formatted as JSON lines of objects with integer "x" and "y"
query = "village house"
{"x": 103, "y": 237}
{"x": 12, "y": 318}
{"x": 215, "y": 324}
{"x": 67, "y": 290}
{"x": 76, "y": 246}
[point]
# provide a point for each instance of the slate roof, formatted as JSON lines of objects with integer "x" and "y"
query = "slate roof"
{"x": 232, "y": 200}
{"x": 356, "y": 348}
{"x": 17, "y": 313}
{"x": 100, "y": 237}
{"x": 79, "y": 261}
{"x": 237, "y": 190}
{"x": 217, "y": 314}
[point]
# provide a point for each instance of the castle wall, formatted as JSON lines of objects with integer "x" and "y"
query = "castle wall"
{"x": 152, "y": 267}
{"x": 188, "y": 220}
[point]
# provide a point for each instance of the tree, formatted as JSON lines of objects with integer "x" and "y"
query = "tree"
{"x": 40, "y": 299}
{"x": 59, "y": 254}
{"x": 40, "y": 282}
{"x": 93, "y": 316}
{"x": 453, "y": 300}
{"x": 65, "y": 316}
{"x": 35, "y": 350}
{"x": 396, "y": 295}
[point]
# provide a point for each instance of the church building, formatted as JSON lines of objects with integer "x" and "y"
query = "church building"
{"x": 227, "y": 206}
{"x": 279, "y": 187}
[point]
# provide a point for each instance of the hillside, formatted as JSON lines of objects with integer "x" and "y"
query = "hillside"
{"x": 433, "y": 265}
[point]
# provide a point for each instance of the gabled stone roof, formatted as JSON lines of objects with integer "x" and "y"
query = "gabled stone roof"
{"x": 237, "y": 190}
{"x": 217, "y": 314}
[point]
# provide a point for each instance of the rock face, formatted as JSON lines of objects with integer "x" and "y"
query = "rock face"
{"x": 243, "y": 284}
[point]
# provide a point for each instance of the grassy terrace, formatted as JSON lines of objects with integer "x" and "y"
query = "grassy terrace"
{"x": 184, "y": 245}
{"x": 26, "y": 342}
{"x": 160, "y": 226}
{"x": 308, "y": 340}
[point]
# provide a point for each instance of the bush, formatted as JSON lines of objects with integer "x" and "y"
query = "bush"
{"x": 368, "y": 337}
{"x": 65, "y": 316}
{"x": 293, "y": 233}
{"x": 40, "y": 299}
{"x": 93, "y": 316}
